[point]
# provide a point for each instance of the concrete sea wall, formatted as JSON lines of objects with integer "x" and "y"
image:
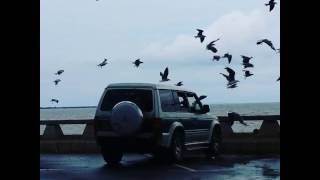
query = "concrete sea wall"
{"x": 263, "y": 140}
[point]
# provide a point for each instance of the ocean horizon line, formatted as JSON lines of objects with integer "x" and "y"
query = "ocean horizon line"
{"x": 70, "y": 107}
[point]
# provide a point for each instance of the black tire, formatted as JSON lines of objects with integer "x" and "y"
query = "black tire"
{"x": 160, "y": 155}
{"x": 176, "y": 150}
{"x": 214, "y": 148}
{"x": 111, "y": 157}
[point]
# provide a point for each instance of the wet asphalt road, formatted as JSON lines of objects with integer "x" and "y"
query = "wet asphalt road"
{"x": 92, "y": 166}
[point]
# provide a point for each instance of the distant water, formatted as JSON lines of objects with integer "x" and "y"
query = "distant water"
{"x": 246, "y": 109}
{"x": 215, "y": 109}
{"x": 67, "y": 113}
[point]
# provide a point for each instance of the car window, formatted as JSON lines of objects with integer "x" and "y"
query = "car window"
{"x": 193, "y": 103}
{"x": 168, "y": 104}
{"x": 182, "y": 101}
{"x": 141, "y": 97}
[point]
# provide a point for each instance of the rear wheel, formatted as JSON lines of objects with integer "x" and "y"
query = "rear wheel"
{"x": 111, "y": 157}
{"x": 176, "y": 150}
{"x": 160, "y": 154}
{"x": 215, "y": 143}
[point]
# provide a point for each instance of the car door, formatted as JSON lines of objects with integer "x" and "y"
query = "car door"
{"x": 200, "y": 120}
{"x": 168, "y": 109}
{"x": 186, "y": 117}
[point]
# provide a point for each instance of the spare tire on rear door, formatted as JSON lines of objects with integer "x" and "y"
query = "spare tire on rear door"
{"x": 126, "y": 118}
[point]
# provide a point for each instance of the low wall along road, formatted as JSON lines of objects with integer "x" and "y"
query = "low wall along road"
{"x": 263, "y": 140}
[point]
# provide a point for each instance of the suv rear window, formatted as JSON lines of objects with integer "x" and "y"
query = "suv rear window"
{"x": 141, "y": 97}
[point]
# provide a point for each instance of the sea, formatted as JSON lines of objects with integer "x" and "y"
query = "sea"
{"x": 215, "y": 109}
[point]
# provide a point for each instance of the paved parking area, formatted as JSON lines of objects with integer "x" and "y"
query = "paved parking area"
{"x": 92, "y": 166}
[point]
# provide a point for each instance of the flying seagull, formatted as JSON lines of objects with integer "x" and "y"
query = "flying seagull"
{"x": 211, "y": 47}
{"x": 56, "y": 81}
{"x": 164, "y": 76}
{"x": 202, "y": 97}
{"x": 232, "y": 86}
{"x": 137, "y": 62}
{"x": 245, "y": 60}
{"x": 55, "y": 100}
{"x": 230, "y": 78}
{"x": 247, "y": 73}
{"x": 228, "y": 56}
{"x": 271, "y": 4}
{"x": 179, "y": 83}
{"x": 103, "y": 63}
{"x": 266, "y": 41}
{"x": 59, "y": 72}
{"x": 200, "y": 35}
{"x": 217, "y": 58}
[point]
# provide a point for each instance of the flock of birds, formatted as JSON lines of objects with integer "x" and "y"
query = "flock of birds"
{"x": 230, "y": 77}
{"x": 232, "y": 82}
{"x": 56, "y": 82}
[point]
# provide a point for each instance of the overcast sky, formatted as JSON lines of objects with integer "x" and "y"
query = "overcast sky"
{"x": 76, "y": 35}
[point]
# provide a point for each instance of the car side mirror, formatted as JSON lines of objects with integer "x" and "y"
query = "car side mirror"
{"x": 205, "y": 108}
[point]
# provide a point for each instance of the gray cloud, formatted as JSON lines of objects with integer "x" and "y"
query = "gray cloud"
{"x": 77, "y": 35}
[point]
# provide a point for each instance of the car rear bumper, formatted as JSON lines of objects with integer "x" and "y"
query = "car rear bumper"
{"x": 112, "y": 134}
{"x": 142, "y": 142}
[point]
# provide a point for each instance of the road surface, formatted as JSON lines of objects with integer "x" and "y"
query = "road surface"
{"x": 194, "y": 167}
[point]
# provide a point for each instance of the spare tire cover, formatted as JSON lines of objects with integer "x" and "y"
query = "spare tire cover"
{"x": 126, "y": 118}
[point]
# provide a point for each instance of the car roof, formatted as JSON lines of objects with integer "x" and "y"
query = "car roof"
{"x": 148, "y": 85}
